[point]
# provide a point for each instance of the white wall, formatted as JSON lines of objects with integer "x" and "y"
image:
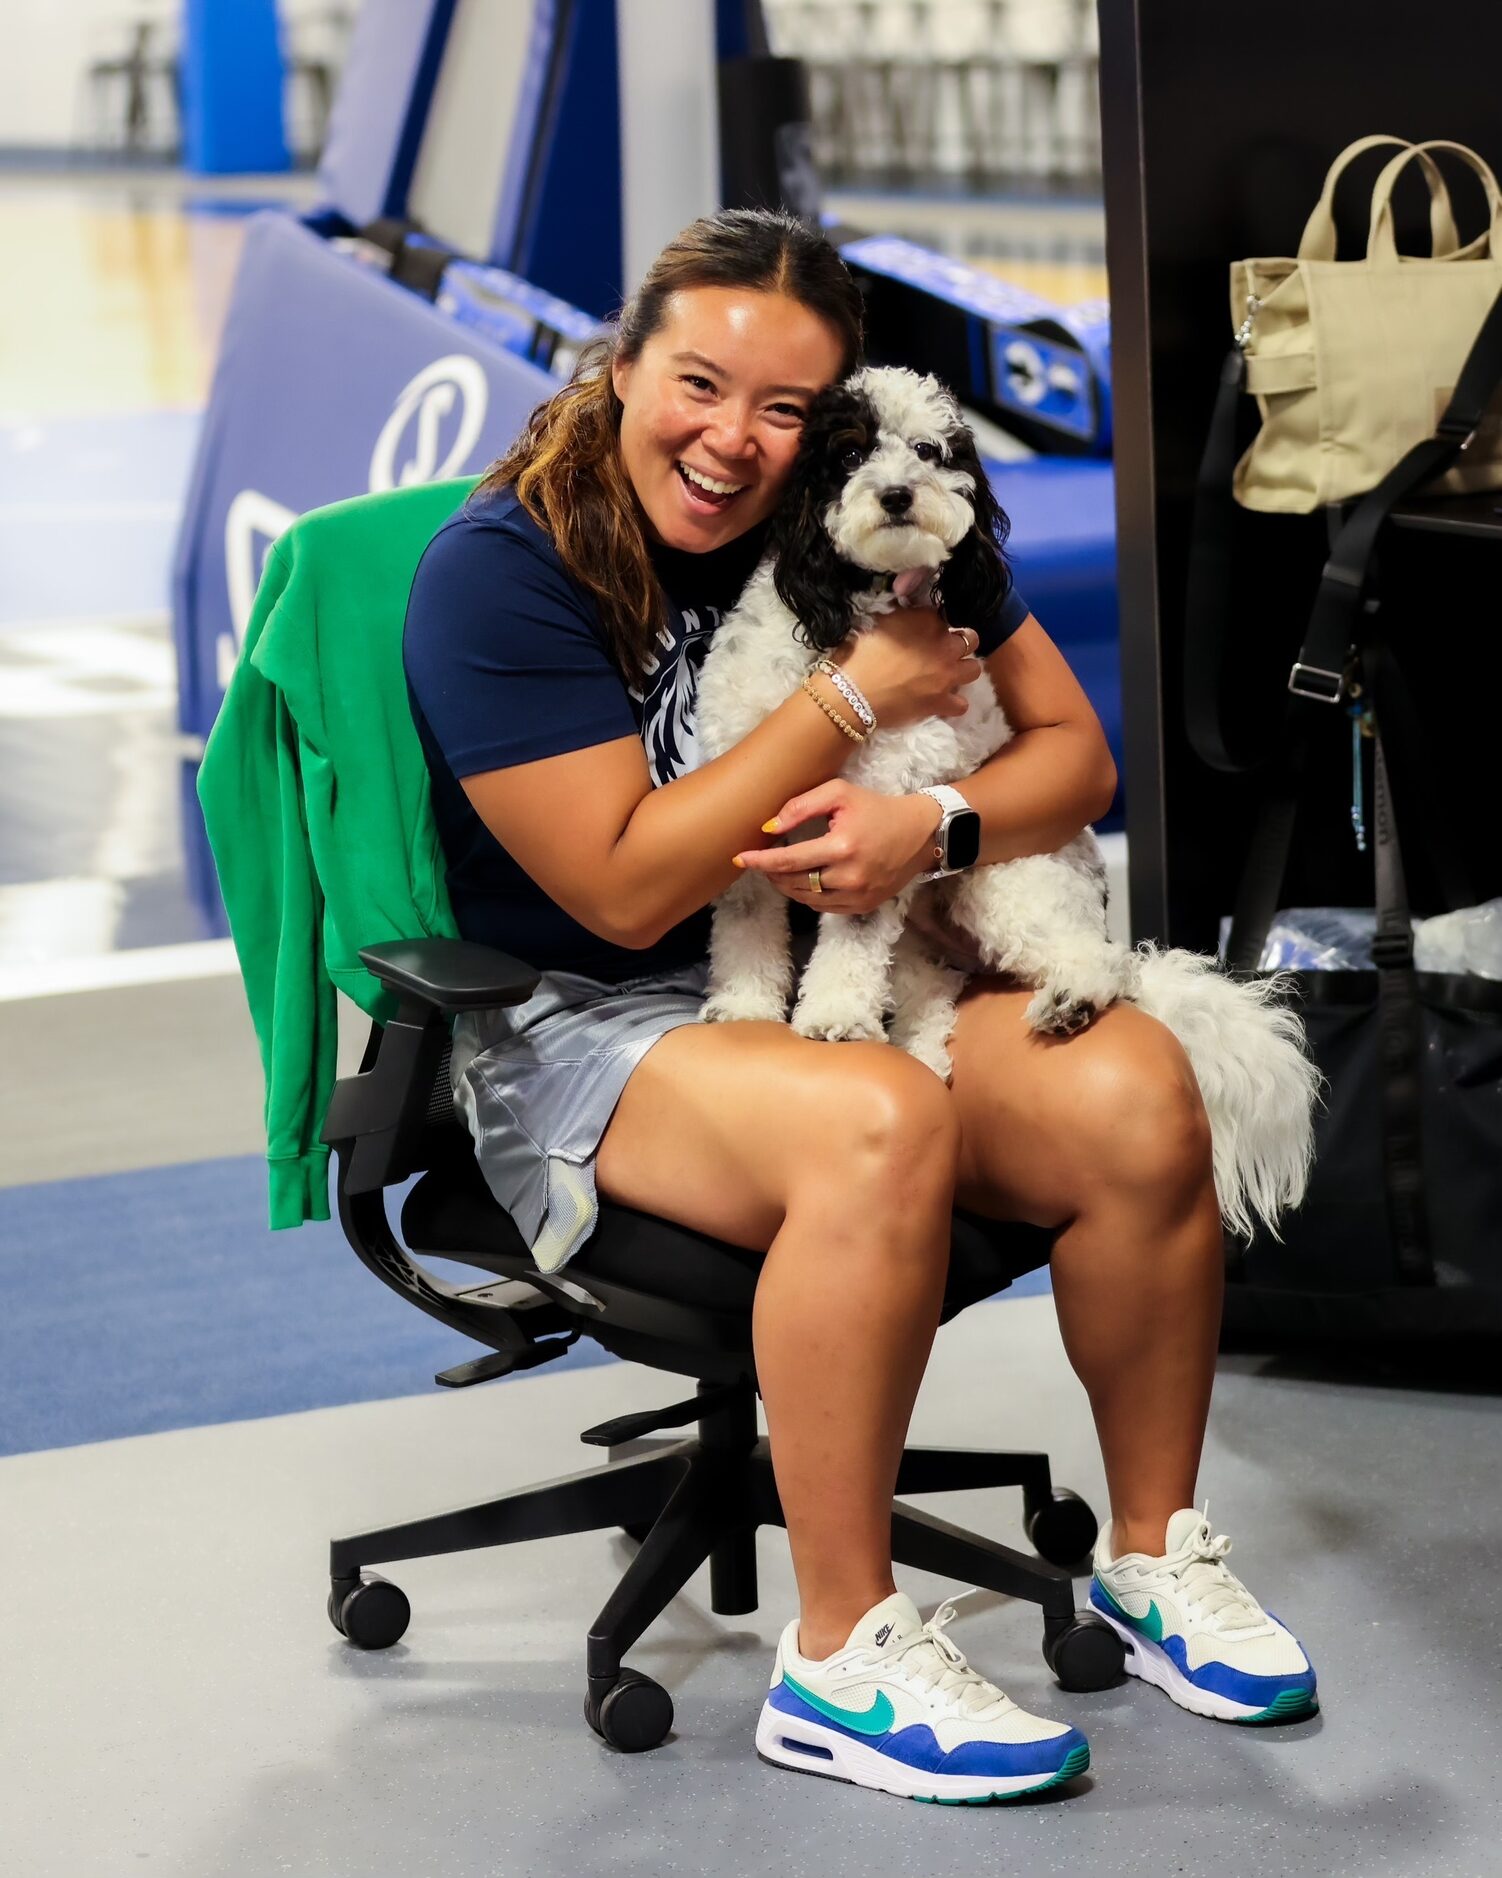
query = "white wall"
{"x": 48, "y": 46}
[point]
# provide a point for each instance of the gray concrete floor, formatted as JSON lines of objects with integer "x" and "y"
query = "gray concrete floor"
{"x": 166, "y": 1648}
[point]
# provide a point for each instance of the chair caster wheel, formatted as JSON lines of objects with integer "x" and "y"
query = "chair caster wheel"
{"x": 372, "y": 1615}
{"x": 635, "y": 1713}
{"x": 1084, "y": 1653}
{"x": 1063, "y": 1530}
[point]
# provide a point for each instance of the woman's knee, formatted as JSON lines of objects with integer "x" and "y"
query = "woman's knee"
{"x": 884, "y": 1119}
{"x": 1140, "y": 1117}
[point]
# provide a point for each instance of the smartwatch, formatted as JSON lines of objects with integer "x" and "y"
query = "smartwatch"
{"x": 956, "y": 840}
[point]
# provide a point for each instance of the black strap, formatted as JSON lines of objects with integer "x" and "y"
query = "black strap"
{"x": 1207, "y": 599}
{"x": 418, "y": 264}
{"x": 1408, "y": 753}
{"x": 1402, "y": 1044}
{"x": 1399, "y": 1011}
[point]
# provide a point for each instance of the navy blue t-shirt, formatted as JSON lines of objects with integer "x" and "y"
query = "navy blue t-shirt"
{"x": 507, "y": 662}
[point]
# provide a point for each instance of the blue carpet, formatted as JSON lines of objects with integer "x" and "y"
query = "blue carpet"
{"x": 1038, "y": 1284}
{"x": 159, "y": 1299}
{"x": 152, "y": 1300}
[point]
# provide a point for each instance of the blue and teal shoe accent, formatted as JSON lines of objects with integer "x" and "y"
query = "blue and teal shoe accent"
{"x": 1075, "y": 1762}
{"x": 1290, "y": 1697}
{"x": 1058, "y": 1758}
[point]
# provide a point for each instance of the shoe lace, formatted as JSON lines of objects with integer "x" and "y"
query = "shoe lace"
{"x": 1210, "y": 1583}
{"x": 934, "y": 1663}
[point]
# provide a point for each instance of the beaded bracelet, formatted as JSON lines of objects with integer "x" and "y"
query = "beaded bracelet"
{"x": 851, "y": 693}
{"x": 833, "y": 715}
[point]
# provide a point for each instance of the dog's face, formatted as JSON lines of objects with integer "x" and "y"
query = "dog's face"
{"x": 897, "y": 497}
{"x": 887, "y": 478}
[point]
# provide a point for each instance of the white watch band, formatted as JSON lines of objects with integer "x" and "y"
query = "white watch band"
{"x": 952, "y": 803}
{"x": 947, "y": 798}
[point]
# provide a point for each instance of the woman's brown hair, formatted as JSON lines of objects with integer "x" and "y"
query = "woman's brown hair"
{"x": 566, "y": 466}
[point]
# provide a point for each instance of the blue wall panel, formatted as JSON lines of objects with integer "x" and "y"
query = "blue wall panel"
{"x": 232, "y": 88}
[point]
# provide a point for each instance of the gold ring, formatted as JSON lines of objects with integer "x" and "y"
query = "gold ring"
{"x": 814, "y": 883}
{"x": 966, "y": 631}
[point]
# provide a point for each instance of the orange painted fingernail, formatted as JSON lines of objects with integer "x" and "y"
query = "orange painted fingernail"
{"x": 738, "y": 861}
{"x": 769, "y": 828}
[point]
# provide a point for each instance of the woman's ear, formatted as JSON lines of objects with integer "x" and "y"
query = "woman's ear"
{"x": 620, "y": 376}
{"x": 975, "y": 580}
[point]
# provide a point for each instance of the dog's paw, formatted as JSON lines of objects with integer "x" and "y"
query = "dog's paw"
{"x": 828, "y": 1028}
{"x": 1059, "y": 1012}
{"x": 740, "y": 1007}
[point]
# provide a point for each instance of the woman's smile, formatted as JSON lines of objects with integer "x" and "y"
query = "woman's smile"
{"x": 707, "y": 493}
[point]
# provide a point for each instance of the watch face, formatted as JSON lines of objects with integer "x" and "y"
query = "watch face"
{"x": 964, "y": 839}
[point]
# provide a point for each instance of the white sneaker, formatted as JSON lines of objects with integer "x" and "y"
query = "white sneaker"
{"x": 1193, "y": 1629}
{"x": 900, "y": 1709}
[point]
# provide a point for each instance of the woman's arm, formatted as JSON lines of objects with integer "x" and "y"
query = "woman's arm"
{"x": 629, "y": 861}
{"x": 1057, "y": 775}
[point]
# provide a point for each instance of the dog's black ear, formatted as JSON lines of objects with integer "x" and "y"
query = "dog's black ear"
{"x": 975, "y": 580}
{"x": 813, "y": 583}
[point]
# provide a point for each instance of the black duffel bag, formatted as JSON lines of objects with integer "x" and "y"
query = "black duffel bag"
{"x": 1400, "y": 1233}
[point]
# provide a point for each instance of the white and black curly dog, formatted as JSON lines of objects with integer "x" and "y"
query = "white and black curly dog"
{"x": 832, "y": 555}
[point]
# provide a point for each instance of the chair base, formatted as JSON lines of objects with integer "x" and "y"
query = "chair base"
{"x": 704, "y": 1497}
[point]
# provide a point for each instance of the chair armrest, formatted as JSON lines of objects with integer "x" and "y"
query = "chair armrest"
{"x": 450, "y": 974}
{"x": 376, "y": 1120}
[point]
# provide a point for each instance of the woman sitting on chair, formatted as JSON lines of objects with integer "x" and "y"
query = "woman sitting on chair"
{"x": 553, "y": 640}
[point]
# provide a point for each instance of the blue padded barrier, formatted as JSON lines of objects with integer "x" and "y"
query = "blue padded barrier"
{"x": 511, "y": 312}
{"x": 331, "y": 381}
{"x": 1042, "y": 370}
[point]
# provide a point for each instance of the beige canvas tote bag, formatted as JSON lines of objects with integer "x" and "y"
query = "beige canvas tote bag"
{"x": 1353, "y": 362}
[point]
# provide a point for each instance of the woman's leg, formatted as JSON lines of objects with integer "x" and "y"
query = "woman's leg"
{"x": 1105, "y": 1135}
{"x": 838, "y": 1161}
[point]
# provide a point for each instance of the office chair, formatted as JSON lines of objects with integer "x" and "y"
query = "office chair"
{"x": 657, "y": 1293}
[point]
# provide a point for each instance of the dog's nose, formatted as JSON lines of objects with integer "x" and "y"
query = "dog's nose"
{"x": 897, "y": 500}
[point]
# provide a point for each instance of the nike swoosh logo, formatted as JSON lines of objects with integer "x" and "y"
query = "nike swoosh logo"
{"x": 876, "y": 1720}
{"x": 1150, "y": 1625}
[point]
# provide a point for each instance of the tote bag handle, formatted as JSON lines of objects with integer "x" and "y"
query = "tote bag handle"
{"x": 1318, "y": 240}
{"x": 1381, "y": 242}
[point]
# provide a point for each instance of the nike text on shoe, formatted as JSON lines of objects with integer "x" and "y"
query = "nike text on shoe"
{"x": 901, "y": 1710}
{"x": 1194, "y": 1630}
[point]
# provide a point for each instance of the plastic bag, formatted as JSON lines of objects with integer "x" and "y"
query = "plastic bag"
{"x": 1339, "y": 938}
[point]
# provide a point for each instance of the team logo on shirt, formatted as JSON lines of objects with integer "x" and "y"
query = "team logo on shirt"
{"x": 669, "y": 730}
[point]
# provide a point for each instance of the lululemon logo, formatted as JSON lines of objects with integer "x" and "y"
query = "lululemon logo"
{"x": 420, "y": 419}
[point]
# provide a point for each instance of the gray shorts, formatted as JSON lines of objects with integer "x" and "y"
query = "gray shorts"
{"x": 537, "y": 1083}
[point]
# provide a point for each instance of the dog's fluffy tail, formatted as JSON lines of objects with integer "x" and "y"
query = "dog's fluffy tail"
{"x": 1258, "y": 1084}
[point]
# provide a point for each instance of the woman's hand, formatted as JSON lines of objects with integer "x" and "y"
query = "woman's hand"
{"x": 874, "y": 846}
{"x": 912, "y": 665}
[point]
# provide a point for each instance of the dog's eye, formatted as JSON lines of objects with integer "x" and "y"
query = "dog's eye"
{"x": 851, "y": 461}
{"x": 926, "y": 452}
